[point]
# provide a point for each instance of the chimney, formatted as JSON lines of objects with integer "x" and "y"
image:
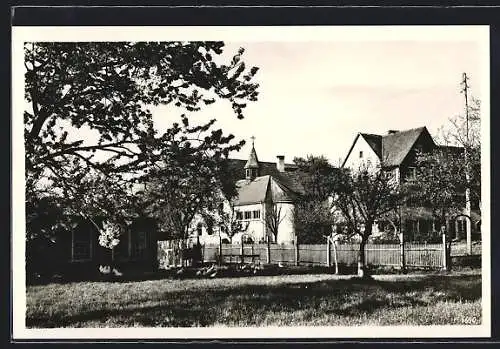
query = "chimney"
{"x": 280, "y": 165}
{"x": 391, "y": 132}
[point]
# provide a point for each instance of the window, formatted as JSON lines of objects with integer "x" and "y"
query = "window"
{"x": 256, "y": 214}
{"x": 251, "y": 173}
{"x": 361, "y": 154}
{"x": 210, "y": 226}
{"x": 239, "y": 215}
{"x": 82, "y": 244}
{"x": 248, "y": 214}
{"x": 139, "y": 244}
{"x": 412, "y": 173}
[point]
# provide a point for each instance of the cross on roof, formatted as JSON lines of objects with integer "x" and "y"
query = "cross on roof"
{"x": 253, "y": 140}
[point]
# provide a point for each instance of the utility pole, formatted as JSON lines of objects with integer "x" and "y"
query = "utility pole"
{"x": 465, "y": 89}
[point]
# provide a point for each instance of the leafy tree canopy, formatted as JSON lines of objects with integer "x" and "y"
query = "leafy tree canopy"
{"x": 313, "y": 217}
{"x": 439, "y": 182}
{"x": 107, "y": 88}
{"x": 362, "y": 197}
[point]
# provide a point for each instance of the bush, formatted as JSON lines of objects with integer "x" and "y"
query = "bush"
{"x": 44, "y": 258}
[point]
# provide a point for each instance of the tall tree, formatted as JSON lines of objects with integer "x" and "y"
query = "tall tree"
{"x": 439, "y": 183}
{"x": 313, "y": 218}
{"x": 466, "y": 134}
{"x": 316, "y": 175}
{"x": 190, "y": 178}
{"x": 106, "y": 89}
{"x": 362, "y": 197}
{"x": 273, "y": 220}
{"x": 465, "y": 131}
{"x": 229, "y": 222}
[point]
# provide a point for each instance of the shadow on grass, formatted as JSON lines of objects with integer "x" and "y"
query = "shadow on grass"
{"x": 250, "y": 305}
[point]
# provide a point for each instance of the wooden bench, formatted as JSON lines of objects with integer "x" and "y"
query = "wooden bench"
{"x": 241, "y": 257}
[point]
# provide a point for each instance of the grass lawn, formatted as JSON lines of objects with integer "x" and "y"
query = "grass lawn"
{"x": 460, "y": 248}
{"x": 285, "y": 300}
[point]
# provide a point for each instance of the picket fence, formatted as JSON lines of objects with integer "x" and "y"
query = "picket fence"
{"x": 391, "y": 255}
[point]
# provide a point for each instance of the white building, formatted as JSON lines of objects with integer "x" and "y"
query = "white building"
{"x": 264, "y": 205}
{"x": 396, "y": 152}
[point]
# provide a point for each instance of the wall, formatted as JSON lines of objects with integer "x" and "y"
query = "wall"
{"x": 286, "y": 229}
{"x": 354, "y": 162}
{"x": 255, "y": 226}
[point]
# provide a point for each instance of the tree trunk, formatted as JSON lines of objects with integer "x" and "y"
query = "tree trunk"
{"x": 335, "y": 258}
{"x": 106, "y": 264}
{"x": 362, "y": 258}
{"x": 362, "y": 269}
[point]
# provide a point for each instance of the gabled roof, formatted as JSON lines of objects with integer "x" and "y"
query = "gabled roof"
{"x": 251, "y": 191}
{"x": 237, "y": 167}
{"x": 374, "y": 141}
{"x": 280, "y": 192}
{"x": 256, "y": 191}
{"x": 392, "y": 149}
{"x": 396, "y": 146}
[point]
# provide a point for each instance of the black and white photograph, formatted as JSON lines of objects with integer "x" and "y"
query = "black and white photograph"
{"x": 251, "y": 182}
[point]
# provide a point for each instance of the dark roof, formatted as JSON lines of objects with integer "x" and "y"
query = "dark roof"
{"x": 286, "y": 186}
{"x": 396, "y": 146}
{"x": 375, "y": 142}
{"x": 426, "y": 213}
{"x": 237, "y": 166}
{"x": 392, "y": 148}
{"x": 451, "y": 149}
{"x": 256, "y": 191}
{"x": 253, "y": 161}
{"x": 251, "y": 191}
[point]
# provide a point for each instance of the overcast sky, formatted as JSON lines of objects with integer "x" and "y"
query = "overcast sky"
{"x": 319, "y": 86}
{"x": 315, "y": 96}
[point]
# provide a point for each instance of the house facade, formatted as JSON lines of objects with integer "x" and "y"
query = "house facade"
{"x": 264, "y": 204}
{"x": 78, "y": 252}
{"x": 396, "y": 152}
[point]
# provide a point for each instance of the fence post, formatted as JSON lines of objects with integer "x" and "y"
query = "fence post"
{"x": 268, "y": 250}
{"x": 327, "y": 252}
{"x": 445, "y": 264}
{"x": 203, "y": 254}
{"x": 296, "y": 253}
{"x": 221, "y": 257}
{"x": 242, "y": 250}
{"x": 334, "y": 243}
{"x": 402, "y": 252}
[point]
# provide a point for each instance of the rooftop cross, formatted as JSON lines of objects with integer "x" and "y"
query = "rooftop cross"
{"x": 253, "y": 140}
